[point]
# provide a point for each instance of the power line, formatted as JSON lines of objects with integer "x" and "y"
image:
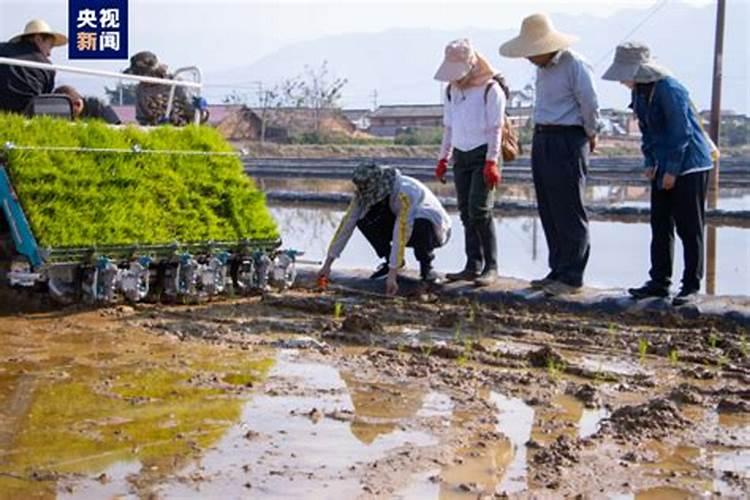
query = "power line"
{"x": 654, "y": 10}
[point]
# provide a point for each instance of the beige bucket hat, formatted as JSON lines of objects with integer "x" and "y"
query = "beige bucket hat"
{"x": 633, "y": 62}
{"x": 458, "y": 61}
{"x": 538, "y": 36}
{"x": 40, "y": 27}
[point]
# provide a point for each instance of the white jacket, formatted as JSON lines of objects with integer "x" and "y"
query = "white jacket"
{"x": 410, "y": 200}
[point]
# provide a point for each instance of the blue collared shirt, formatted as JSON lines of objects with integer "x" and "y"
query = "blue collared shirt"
{"x": 566, "y": 95}
{"x": 672, "y": 138}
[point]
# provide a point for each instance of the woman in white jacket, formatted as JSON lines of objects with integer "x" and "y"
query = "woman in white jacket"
{"x": 474, "y": 110}
{"x": 392, "y": 211}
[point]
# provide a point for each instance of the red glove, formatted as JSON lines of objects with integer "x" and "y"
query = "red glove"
{"x": 441, "y": 170}
{"x": 491, "y": 174}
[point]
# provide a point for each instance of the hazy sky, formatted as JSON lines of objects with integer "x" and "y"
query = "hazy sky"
{"x": 217, "y": 35}
{"x": 234, "y": 33}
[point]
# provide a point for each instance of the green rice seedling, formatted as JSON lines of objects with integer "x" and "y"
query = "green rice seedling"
{"x": 426, "y": 349}
{"x": 712, "y": 341}
{"x": 86, "y": 199}
{"x": 338, "y": 310}
{"x": 743, "y": 346}
{"x": 457, "y": 333}
{"x": 673, "y": 357}
{"x": 642, "y": 349}
{"x": 555, "y": 369}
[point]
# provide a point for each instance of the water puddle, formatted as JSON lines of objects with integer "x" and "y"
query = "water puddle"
{"x": 606, "y": 364}
{"x": 72, "y": 410}
{"x": 658, "y": 493}
{"x": 487, "y": 467}
{"x": 315, "y": 441}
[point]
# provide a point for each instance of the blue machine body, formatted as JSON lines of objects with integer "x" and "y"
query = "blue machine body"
{"x": 20, "y": 230}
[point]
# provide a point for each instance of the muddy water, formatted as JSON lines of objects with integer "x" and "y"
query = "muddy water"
{"x": 619, "y": 255}
{"x": 197, "y": 402}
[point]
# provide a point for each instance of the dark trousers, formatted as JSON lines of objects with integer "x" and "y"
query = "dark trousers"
{"x": 683, "y": 207}
{"x": 559, "y": 159}
{"x": 475, "y": 204}
{"x": 377, "y": 227}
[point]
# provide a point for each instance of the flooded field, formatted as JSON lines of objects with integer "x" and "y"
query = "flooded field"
{"x": 614, "y": 195}
{"x": 330, "y": 395}
{"x": 619, "y": 251}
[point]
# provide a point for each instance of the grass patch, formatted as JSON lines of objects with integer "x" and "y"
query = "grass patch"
{"x": 77, "y": 199}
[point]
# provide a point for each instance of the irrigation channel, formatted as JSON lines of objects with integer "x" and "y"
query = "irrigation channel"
{"x": 344, "y": 393}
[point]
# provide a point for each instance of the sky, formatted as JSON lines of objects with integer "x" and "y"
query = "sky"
{"x": 236, "y": 32}
{"x": 225, "y": 34}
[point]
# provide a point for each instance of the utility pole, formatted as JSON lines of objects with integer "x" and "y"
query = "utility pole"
{"x": 715, "y": 127}
{"x": 374, "y": 99}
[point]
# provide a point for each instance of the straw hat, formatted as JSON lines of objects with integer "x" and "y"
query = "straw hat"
{"x": 458, "y": 61}
{"x": 633, "y": 63}
{"x": 40, "y": 27}
{"x": 538, "y": 36}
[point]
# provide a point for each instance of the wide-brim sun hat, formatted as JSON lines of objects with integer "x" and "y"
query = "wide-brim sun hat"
{"x": 633, "y": 63}
{"x": 40, "y": 27}
{"x": 458, "y": 61}
{"x": 538, "y": 36}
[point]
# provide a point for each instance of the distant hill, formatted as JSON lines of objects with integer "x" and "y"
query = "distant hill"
{"x": 400, "y": 63}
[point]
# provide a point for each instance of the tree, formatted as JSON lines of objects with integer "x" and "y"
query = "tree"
{"x": 315, "y": 89}
{"x": 122, "y": 94}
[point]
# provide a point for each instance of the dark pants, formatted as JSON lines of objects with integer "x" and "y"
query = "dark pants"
{"x": 377, "y": 226}
{"x": 682, "y": 207}
{"x": 475, "y": 203}
{"x": 559, "y": 159}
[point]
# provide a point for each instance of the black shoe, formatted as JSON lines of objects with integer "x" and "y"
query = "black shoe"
{"x": 430, "y": 276}
{"x": 381, "y": 271}
{"x": 650, "y": 289}
{"x": 686, "y": 296}
{"x": 487, "y": 278}
{"x": 465, "y": 275}
{"x": 541, "y": 283}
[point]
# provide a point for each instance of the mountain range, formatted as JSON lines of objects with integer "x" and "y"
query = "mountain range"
{"x": 399, "y": 64}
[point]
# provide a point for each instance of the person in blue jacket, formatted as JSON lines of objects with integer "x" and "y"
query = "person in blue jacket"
{"x": 678, "y": 158}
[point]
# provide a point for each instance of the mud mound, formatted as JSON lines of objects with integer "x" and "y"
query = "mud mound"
{"x": 552, "y": 459}
{"x": 686, "y": 394}
{"x": 650, "y": 420}
{"x": 545, "y": 357}
{"x": 731, "y": 405}
{"x": 361, "y": 323}
{"x": 586, "y": 393}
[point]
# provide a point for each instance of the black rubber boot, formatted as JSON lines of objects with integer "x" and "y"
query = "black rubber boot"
{"x": 488, "y": 241}
{"x": 474, "y": 259}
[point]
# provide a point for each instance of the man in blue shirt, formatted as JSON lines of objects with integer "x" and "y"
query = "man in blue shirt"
{"x": 678, "y": 158}
{"x": 566, "y": 123}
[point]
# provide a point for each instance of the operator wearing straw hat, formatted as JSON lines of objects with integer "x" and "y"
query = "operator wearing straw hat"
{"x": 566, "y": 122}
{"x": 19, "y": 85}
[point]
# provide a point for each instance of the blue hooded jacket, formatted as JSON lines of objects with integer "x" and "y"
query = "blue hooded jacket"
{"x": 672, "y": 138}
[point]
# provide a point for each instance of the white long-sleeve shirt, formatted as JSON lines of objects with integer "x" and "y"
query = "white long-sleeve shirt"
{"x": 409, "y": 201}
{"x": 472, "y": 120}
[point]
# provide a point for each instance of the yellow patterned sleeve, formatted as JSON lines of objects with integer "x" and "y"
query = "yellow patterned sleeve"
{"x": 403, "y": 227}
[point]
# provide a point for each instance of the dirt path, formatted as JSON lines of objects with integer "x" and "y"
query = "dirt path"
{"x": 350, "y": 396}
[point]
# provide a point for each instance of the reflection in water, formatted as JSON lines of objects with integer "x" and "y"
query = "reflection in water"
{"x": 291, "y": 456}
{"x": 516, "y": 420}
{"x": 116, "y": 402}
{"x": 619, "y": 256}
